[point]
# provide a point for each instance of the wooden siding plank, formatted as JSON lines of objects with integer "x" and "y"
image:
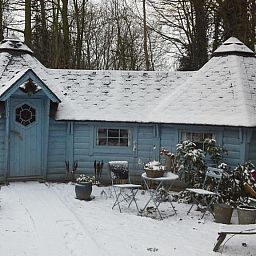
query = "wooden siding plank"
{"x": 56, "y": 147}
{"x": 2, "y": 146}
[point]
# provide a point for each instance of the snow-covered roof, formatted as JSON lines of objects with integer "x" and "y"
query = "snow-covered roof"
{"x": 14, "y": 44}
{"x": 233, "y": 45}
{"x": 220, "y": 93}
{"x": 112, "y": 95}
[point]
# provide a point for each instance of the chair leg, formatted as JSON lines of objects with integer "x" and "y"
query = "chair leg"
{"x": 190, "y": 208}
{"x": 133, "y": 195}
{"x": 128, "y": 198}
{"x": 173, "y": 207}
{"x": 117, "y": 200}
{"x": 194, "y": 201}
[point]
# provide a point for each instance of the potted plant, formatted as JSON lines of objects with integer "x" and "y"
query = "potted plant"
{"x": 83, "y": 187}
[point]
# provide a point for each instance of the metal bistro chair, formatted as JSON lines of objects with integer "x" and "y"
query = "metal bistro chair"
{"x": 200, "y": 195}
{"x": 124, "y": 191}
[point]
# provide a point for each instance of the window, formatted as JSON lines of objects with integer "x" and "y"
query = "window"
{"x": 112, "y": 137}
{"x": 197, "y": 137}
{"x": 25, "y": 115}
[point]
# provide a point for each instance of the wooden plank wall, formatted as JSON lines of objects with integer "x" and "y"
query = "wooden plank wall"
{"x": 169, "y": 137}
{"x": 57, "y": 149}
{"x": 252, "y": 148}
{"x": 82, "y": 140}
{"x": 2, "y": 146}
{"x": 76, "y": 141}
{"x": 233, "y": 142}
{"x": 86, "y": 151}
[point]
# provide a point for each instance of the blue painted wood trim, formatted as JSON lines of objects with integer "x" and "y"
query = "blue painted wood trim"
{"x": 242, "y": 139}
{"x": 247, "y": 136}
{"x": 7, "y": 138}
{"x": 45, "y": 138}
{"x": 92, "y": 139}
{"x": 70, "y": 143}
{"x": 21, "y": 78}
{"x": 241, "y": 135}
{"x": 135, "y": 141}
{"x": 157, "y": 142}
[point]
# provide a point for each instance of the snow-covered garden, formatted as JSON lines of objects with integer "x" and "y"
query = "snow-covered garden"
{"x": 46, "y": 219}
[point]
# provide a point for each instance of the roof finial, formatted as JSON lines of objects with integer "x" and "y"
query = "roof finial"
{"x": 233, "y": 46}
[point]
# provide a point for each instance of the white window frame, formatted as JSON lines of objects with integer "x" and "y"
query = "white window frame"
{"x": 108, "y": 138}
{"x": 197, "y": 137}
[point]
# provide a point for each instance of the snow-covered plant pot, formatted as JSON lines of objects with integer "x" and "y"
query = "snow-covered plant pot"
{"x": 246, "y": 214}
{"x": 83, "y": 187}
{"x": 154, "y": 169}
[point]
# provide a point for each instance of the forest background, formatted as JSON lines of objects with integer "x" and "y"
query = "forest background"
{"x": 127, "y": 34}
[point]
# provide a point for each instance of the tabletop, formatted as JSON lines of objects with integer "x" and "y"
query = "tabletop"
{"x": 168, "y": 176}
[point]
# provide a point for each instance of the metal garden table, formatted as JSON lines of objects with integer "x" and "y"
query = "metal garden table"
{"x": 153, "y": 193}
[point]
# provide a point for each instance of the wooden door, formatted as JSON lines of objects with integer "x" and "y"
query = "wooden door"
{"x": 25, "y": 138}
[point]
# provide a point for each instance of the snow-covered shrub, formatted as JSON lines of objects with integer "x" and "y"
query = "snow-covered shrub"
{"x": 191, "y": 161}
{"x": 232, "y": 187}
{"x": 214, "y": 151}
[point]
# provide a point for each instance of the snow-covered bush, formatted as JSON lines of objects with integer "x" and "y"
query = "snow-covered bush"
{"x": 191, "y": 161}
{"x": 214, "y": 151}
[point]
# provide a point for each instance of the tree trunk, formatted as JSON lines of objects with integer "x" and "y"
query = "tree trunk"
{"x": 145, "y": 32}
{"x": 28, "y": 30}
{"x": 1, "y": 20}
{"x": 201, "y": 40}
{"x": 65, "y": 29}
{"x": 44, "y": 36}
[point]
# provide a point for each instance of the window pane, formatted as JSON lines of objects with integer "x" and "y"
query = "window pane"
{"x": 113, "y": 142}
{"x": 124, "y": 133}
{"x": 186, "y": 136}
{"x": 113, "y": 133}
{"x": 102, "y": 133}
{"x": 208, "y": 136}
{"x": 102, "y": 141}
{"x": 197, "y": 137}
{"x": 123, "y": 142}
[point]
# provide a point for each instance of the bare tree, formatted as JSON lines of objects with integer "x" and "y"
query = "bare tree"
{"x": 28, "y": 29}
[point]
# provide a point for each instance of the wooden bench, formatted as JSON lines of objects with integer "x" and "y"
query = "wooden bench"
{"x": 225, "y": 230}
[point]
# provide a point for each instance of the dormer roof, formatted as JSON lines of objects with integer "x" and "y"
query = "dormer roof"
{"x": 233, "y": 46}
{"x": 14, "y": 44}
{"x": 222, "y": 92}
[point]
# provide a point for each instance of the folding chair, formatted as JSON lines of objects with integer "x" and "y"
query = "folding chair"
{"x": 124, "y": 191}
{"x": 200, "y": 195}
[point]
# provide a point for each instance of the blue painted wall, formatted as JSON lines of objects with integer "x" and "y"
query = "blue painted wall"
{"x": 252, "y": 147}
{"x": 76, "y": 141}
{"x": 57, "y": 149}
{"x": 233, "y": 142}
{"x": 2, "y": 146}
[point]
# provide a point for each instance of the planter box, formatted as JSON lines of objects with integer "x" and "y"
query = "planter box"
{"x": 246, "y": 214}
{"x": 223, "y": 213}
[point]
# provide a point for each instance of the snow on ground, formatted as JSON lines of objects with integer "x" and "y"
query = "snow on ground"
{"x": 38, "y": 219}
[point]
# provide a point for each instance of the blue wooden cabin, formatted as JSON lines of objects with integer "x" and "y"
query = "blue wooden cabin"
{"x": 51, "y": 117}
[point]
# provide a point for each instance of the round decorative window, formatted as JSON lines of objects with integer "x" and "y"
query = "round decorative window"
{"x": 25, "y": 115}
